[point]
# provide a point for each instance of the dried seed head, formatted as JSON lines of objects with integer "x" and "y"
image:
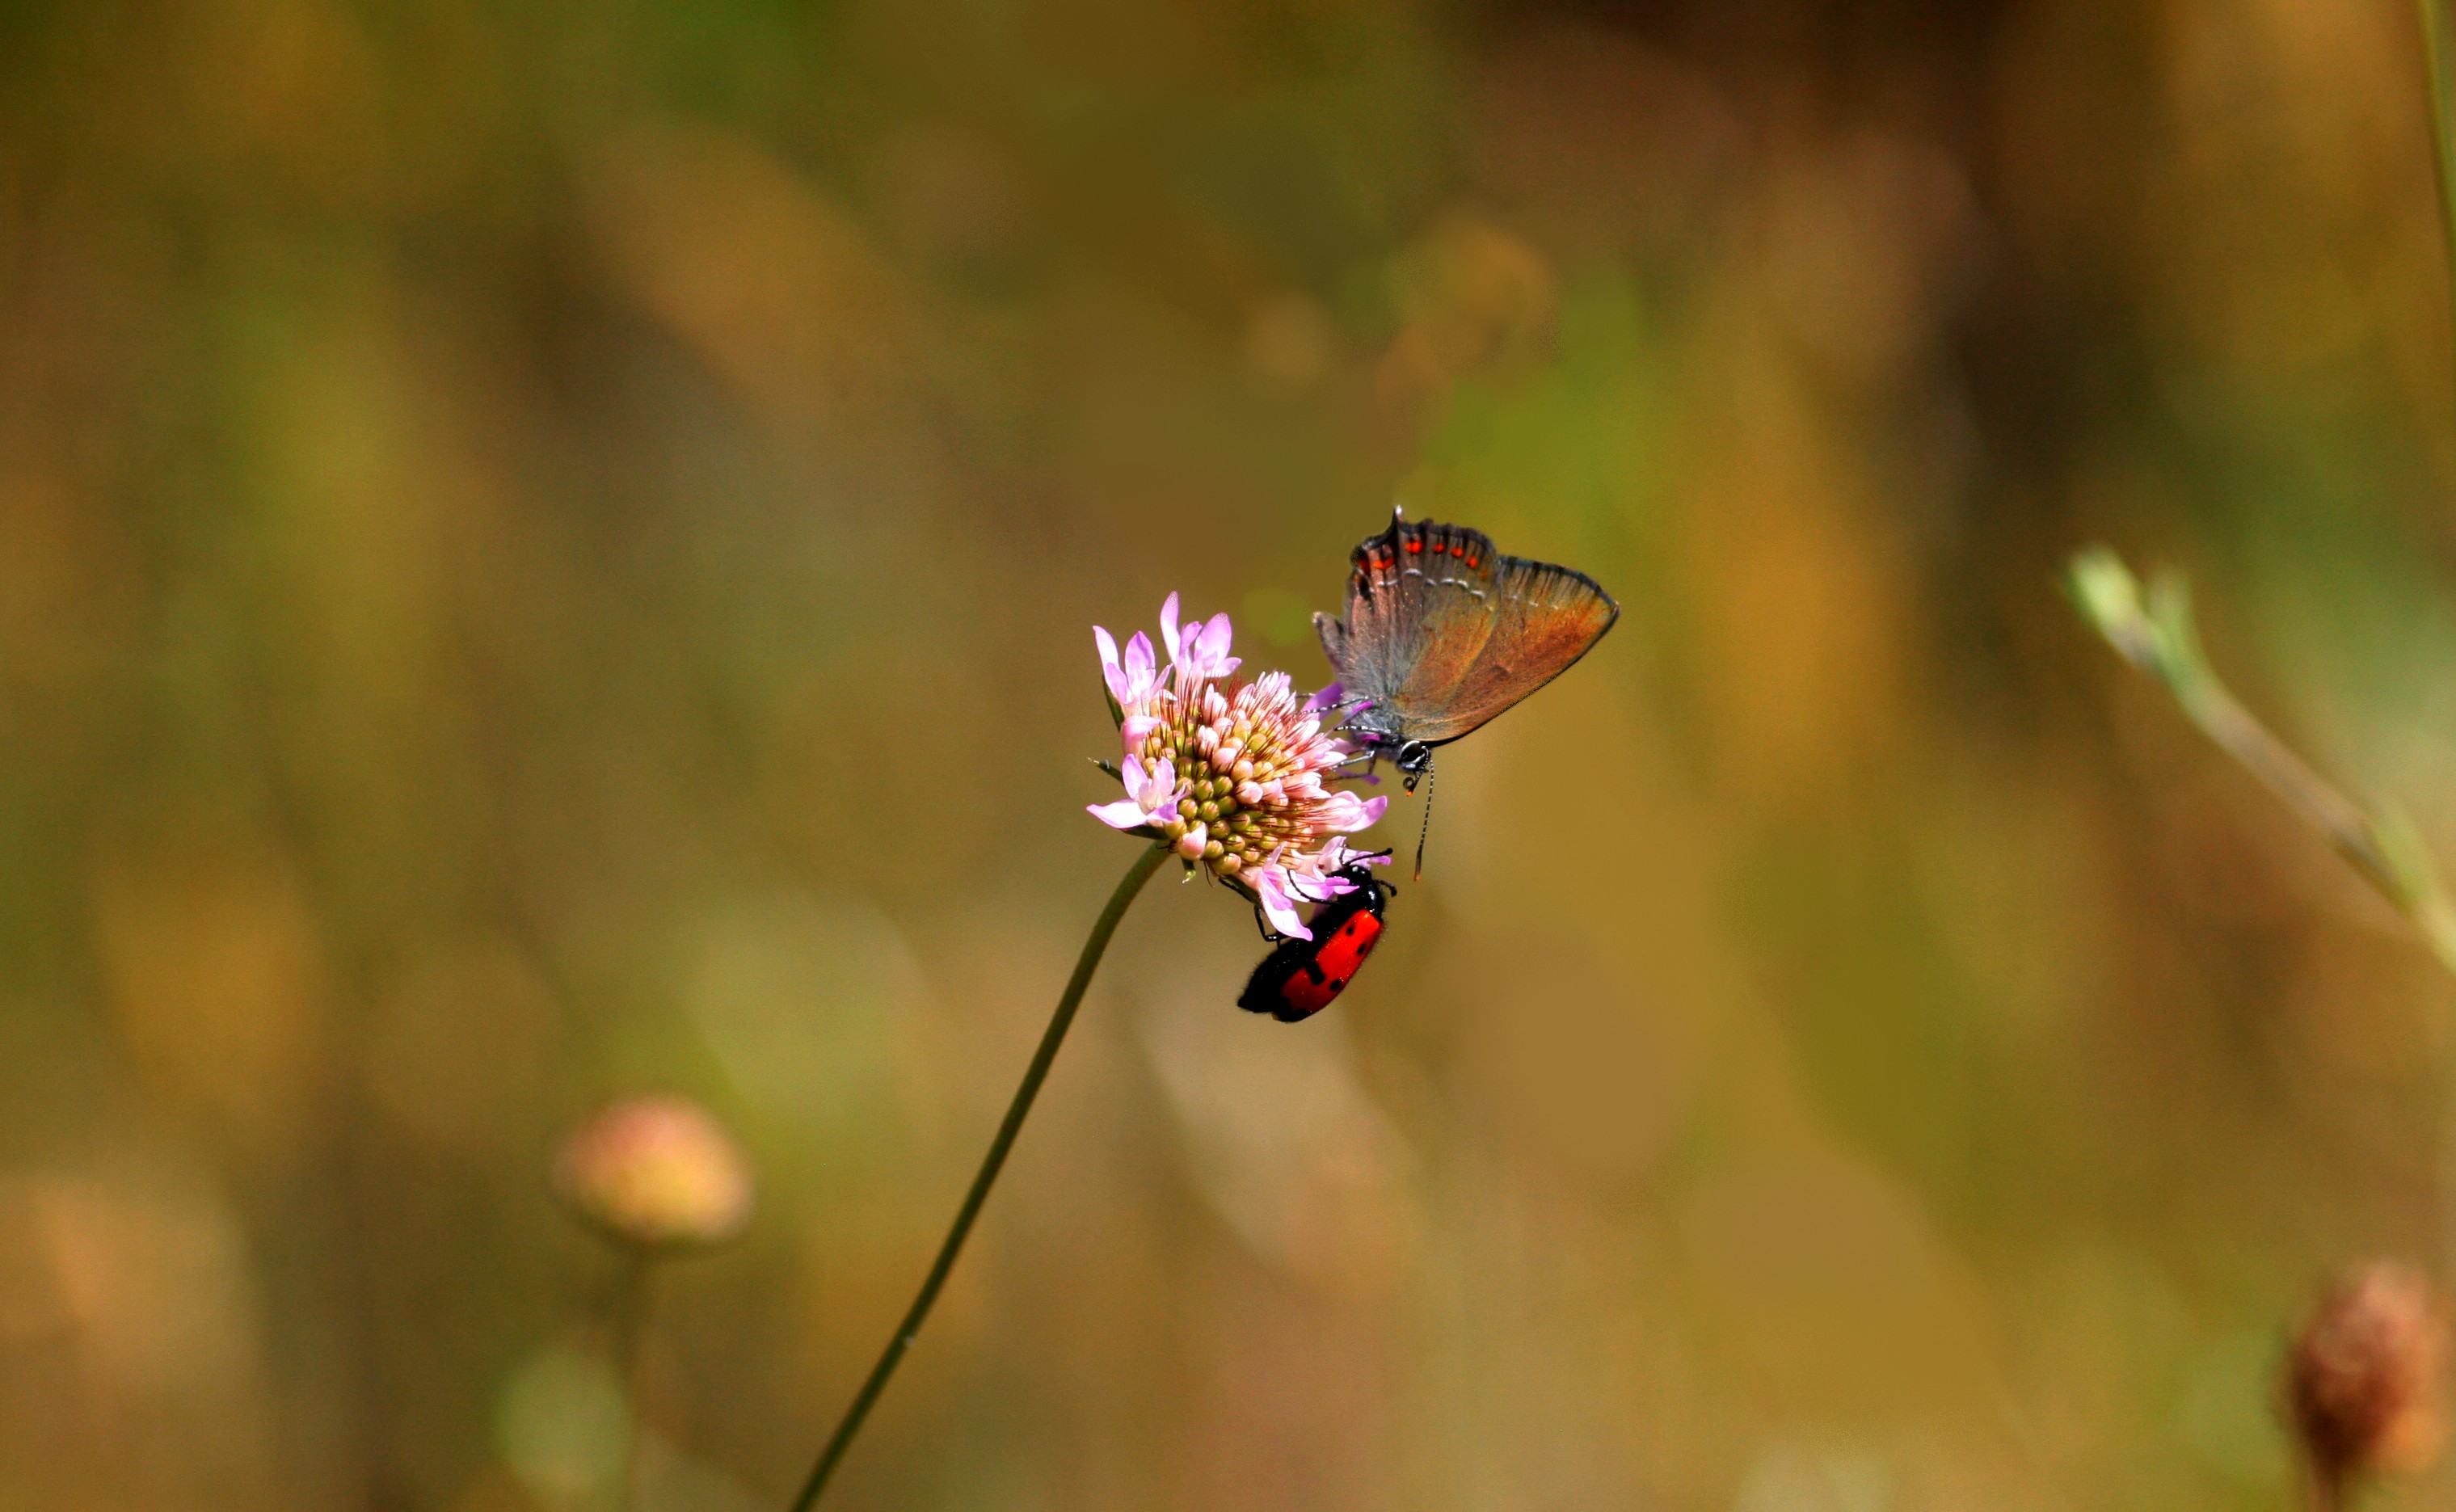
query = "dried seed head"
{"x": 656, "y": 1174}
{"x": 2364, "y": 1378}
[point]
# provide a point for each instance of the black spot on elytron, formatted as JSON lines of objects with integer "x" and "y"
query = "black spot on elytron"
{"x": 1312, "y": 968}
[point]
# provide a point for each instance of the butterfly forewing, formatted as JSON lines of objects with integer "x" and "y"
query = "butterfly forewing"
{"x": 1443, "y": 632}
{"x": 1547, "y": 617}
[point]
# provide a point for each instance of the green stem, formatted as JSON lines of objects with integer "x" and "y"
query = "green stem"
{"x": 2433, "y": 912}
{"x": 2378, "y": 845}
{"x": 628, "y": 1313}
{"x": 2436, "y": 59}
{"x": 2154, "y": 632}
{"x": 1032, "y": 1077}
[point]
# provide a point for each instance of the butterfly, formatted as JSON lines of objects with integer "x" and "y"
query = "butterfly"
{"x": 1442, "y": 633}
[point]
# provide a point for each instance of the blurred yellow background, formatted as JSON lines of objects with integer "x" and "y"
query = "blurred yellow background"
{"x": 548, "y": 551}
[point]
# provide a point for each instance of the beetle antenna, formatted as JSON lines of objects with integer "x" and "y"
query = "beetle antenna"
{"x": 1425, "y": 832}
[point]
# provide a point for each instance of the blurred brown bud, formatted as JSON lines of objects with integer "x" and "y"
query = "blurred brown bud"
{"x": 2364, "y": 1382}
{"x": 657, "y": 1174}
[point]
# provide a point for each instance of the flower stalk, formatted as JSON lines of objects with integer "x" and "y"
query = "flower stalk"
{"x": 627, "y": 1327}
{"x": 1233, "y": 778}
{"x": 2441, "y": 67}
{"x": 2154, "y": 631}
{"x": 656, "y": 1177}
{"x": 1097, "y": 945}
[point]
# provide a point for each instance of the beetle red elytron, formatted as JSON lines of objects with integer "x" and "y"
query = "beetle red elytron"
{"x": 1299, "y": 977}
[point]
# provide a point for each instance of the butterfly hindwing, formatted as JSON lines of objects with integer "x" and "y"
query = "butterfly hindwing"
{"x": 1417, "y": 590}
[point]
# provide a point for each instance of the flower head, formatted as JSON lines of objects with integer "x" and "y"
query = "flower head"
{"x": 2363, "y": 1380}
{"x": 656, "y": 1174}
{"x": 1232, "y": 774}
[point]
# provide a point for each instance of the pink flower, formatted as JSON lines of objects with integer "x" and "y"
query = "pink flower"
{"x": 1233, "y": 775}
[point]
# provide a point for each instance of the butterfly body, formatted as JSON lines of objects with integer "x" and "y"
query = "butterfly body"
{"x": 1443, "y": 632}
{"x": 1300, "y": 977}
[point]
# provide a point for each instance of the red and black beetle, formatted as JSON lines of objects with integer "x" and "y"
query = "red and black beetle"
{"x": 1299, "y": 977}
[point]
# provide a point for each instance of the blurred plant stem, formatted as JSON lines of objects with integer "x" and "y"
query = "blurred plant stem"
{"x": 2154, "y": 631}
{"x": 1017, "y": 1111}
{"x": 626, "y": 1323}
{"x": 2436, "y": 59}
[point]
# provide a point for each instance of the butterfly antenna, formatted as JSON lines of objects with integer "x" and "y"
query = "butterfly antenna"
{"x": 1425, "y": 832}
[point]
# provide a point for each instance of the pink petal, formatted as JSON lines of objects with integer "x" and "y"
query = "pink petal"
{"x": 1339, "y": 853}
{"x": 1270, "y": 884}
{"x": 1346, "y": 814}
{"x": 1332, "y": 885}
{"x": 1135, "y": 728}
{"x": 1327, "y": 698}
{"x": 1210, "y": 646}
{"x": 1140, "y": 668}
{"x": 1109, "y": 668}
{"x": 1168, "y": 627}
{"x": 1123, "y": 814}
{"x": 1157, "y": 789}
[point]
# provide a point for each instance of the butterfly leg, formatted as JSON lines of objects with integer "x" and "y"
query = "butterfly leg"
{"x": 1370, "y": 757}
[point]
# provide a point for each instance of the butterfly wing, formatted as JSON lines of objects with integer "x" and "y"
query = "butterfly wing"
{"x": 1549, "y": 616}
{"x": 1443, "y": 632}
{"x": 1419, "y": 603}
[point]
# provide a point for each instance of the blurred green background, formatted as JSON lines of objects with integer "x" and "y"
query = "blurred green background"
{"x": 549, "y": 551}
